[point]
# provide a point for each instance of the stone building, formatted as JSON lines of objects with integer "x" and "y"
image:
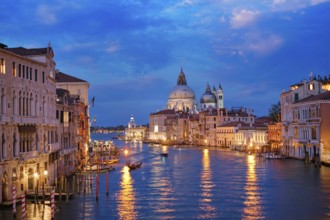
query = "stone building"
{"x": 134, "y": 132}
{"x": 293, "y": 145}
{"x": 27, "y": 112}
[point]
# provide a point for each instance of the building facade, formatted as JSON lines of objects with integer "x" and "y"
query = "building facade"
{"x": 28, "y": 122}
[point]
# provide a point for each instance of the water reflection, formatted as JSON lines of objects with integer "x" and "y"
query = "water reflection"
{"x": 38, "y": 211}
{"x": 126, "y": 198}
{"x": 205, "y": 201}
{"x": 252, "y": 204}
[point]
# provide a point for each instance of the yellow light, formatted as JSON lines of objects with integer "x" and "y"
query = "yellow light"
{"x": 126, "y": 152}
{"x": 36, "y": 174}
{"x": 206, "y": 151}
{"x": 45, "y": 172}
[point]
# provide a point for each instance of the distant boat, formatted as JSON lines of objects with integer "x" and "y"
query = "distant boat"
{"x": 164, "y": 154}
{"x": 274, "y": 156}
{"x": 133, "y": 166}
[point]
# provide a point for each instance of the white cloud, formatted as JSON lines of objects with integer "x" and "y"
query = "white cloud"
{"x": 264, "y": 45}
{"x": 113, "y": 47}
{"x": 243, "y": 17}
{"x": 76, "y": 46}
{"x": 278, "y": 2}
{"x": 46, "y": 15}
{"x": 316, "y": 2}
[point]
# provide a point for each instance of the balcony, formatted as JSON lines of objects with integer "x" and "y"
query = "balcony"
{"x": 29, "y": 155}
{"x": 50, "y": 148}
{"x": 4, "y": 118}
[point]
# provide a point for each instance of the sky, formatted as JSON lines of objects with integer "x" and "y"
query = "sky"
{"x": 131, "y": 51}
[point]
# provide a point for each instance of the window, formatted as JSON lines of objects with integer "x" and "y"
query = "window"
{"x": 3, "y": 146}
{"x": 36, "y": 75}
{"x": 311, "y": 86}
{"x": 313, "y": 132}
{"x": 296, "y": 97}
{"x": 19, "y": 70}
{"x": 43, "y": 77}
{"x": 30, "y": 73}
{"x": 296, "y": 132}
{"x": 2, "y": 65}
{"x": 27, "y": 72}
{"x": 23, "y": 68}
{"x": 14, "y": 69}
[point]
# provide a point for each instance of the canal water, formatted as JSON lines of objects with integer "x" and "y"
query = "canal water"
{"x": 198, "y": 183}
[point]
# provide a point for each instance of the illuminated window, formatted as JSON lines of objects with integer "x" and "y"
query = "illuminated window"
{"x": 156, "y": 128}
{"x": 14, "y": 69}
{"x": 313, "y": 132}
{"x": 296, "y": 132}
{"x": 311, "y": 86}
{"x": 2, "y": 66}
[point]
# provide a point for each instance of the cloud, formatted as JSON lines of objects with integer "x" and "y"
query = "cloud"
{"x": 76, "y": 46}
{"x": 243, "y": 17}
{"x": 46, "y": 15}
{"x": 113, "y": 47}
{"x": 316, "y": 2}
{"x": 264, "y": 45}
{"x": 278, "y": 2}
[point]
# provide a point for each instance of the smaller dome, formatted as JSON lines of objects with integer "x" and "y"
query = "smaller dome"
{"x": 208, "y": 96}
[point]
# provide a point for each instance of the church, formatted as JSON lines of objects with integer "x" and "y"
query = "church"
{"x": 182, "y": 98}
{"x": 171, "y": 124}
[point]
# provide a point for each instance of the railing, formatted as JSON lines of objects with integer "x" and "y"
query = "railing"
{"x": 29, "y": 155}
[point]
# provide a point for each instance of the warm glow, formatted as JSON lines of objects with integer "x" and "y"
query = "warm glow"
{"x": 126, "y": 197}
{"x": 205, "y": 203}
{"x": 164, "y": 148}
{"x": 45, "y": 172}
{"x": 36, "y": 174}
{"x": 126, "y": 152}
{"x": 252, "y": 201}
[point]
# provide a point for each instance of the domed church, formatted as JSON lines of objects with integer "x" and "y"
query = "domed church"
{"x": 211, "y": 99}
{"x": 182, "y": 97}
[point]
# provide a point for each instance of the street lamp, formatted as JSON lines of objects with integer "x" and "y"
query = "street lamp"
{"x": 126, "y": 152}
{"x": 36, "y": 176}
{"x": 44, "y": 183}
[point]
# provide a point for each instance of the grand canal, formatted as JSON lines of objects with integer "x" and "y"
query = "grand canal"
{"x": 195, "y": 183}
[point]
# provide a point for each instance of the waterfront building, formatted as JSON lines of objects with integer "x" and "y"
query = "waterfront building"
{"x": 275, "y": 136}
{"x": 293, "y": 146}
{"x": 134, "y": 132}
{"x": 77, "y": 103}
{"x": 27, "y": 122}
{"x": 158, "y": 125}
{"x": 311, "y": 127}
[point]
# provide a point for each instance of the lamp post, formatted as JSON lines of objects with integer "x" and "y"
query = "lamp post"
{"x": 36, "y": 176}
{"x": 43, "y": 185}
{"x": 126, "y": 152}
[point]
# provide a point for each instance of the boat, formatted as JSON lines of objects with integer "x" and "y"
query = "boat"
{"x": 164, "y": 154}
{"x": 133, "y": 166}
{"x": 96, "y": 168}
{"x": 274, "y": 156}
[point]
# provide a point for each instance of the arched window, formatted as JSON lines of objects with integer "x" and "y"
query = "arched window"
{"x": 14, "y": 145}
{"x": 3, "y": 101}
{"x": 3, "y": 146}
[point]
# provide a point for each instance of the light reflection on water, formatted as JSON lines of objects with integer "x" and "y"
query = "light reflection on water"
{"x": 205, "y": 201}
{"x": 126, "y": 197}
{"x": 252, "y": 204}
{"x": 191, "y": 184}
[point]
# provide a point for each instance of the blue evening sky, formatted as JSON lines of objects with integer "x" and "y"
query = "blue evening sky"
{"x": 131, "y": 51}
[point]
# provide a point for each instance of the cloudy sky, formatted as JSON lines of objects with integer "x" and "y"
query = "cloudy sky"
{"x": 131, "y": 51}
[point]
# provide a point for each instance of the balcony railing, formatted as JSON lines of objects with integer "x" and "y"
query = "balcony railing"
{"x": 29, "y": 155}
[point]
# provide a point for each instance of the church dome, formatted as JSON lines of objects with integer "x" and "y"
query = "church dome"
{"x": 181, "y": 97}
{"x": 182, "y": 92}
{"x": 208, "y": 96}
